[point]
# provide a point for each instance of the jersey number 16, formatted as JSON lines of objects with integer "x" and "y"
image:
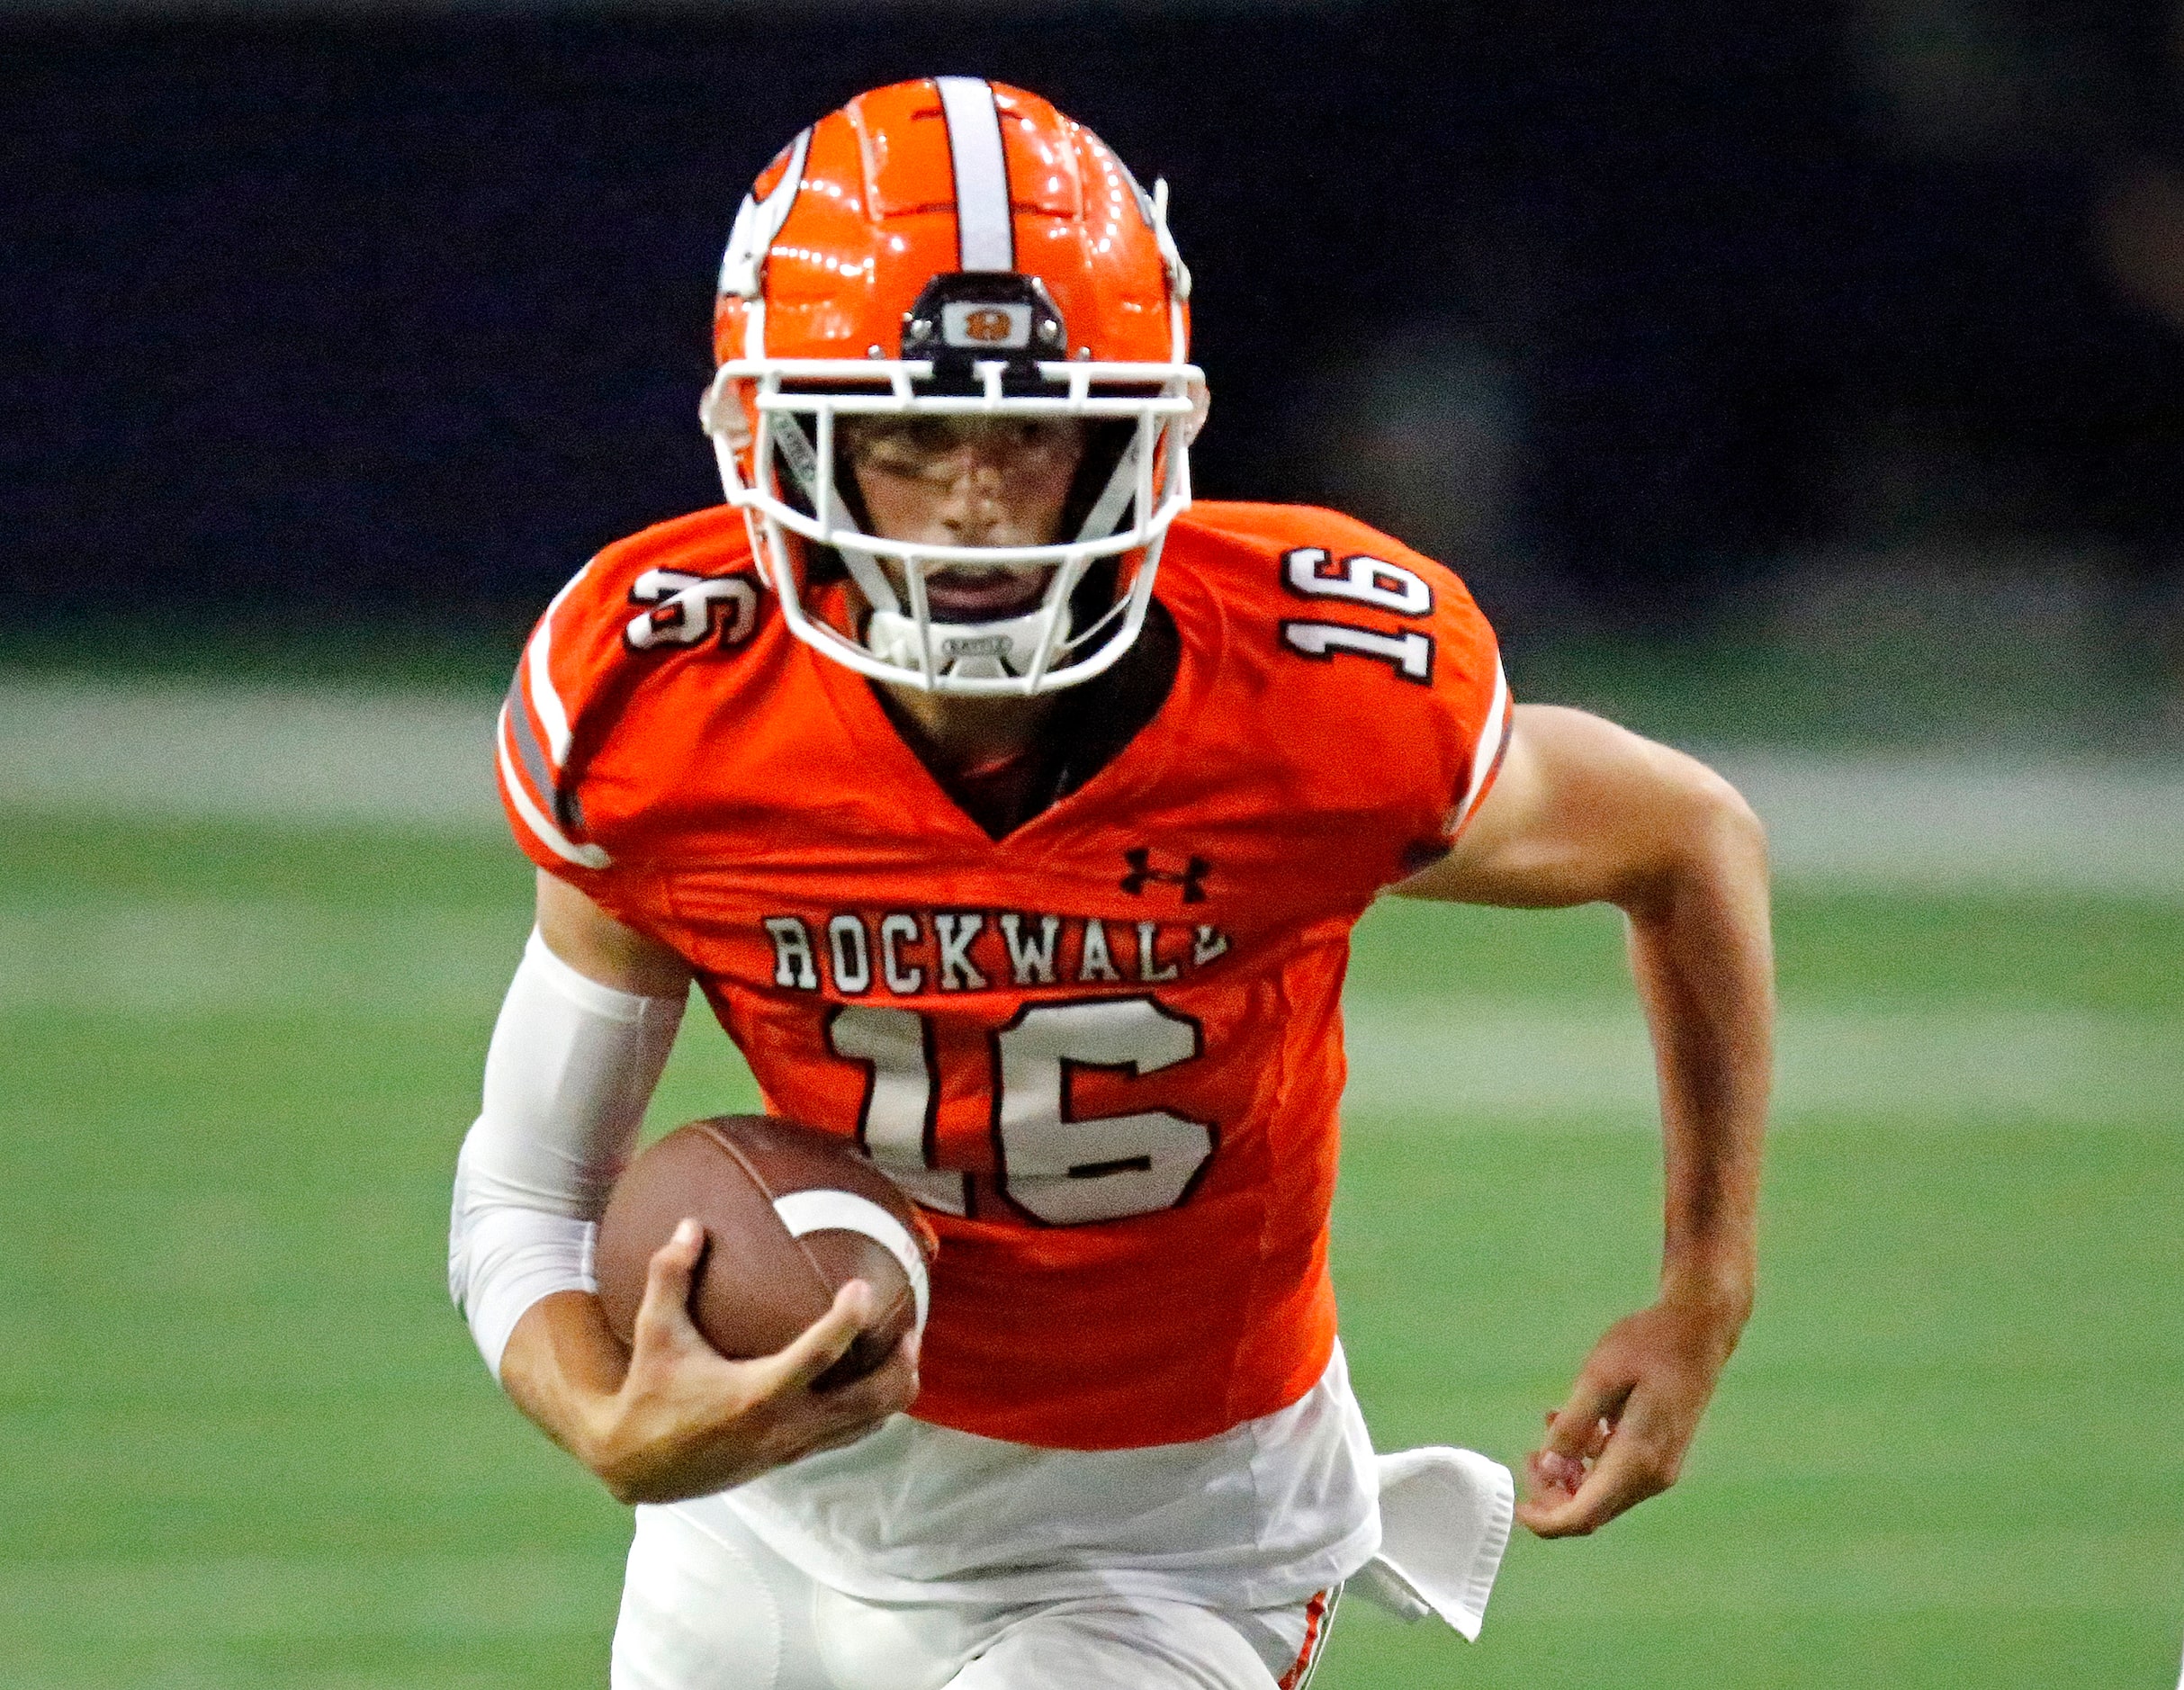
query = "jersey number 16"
{"x": 1057, "y": 1168}
{"x": 1310, "y": 574}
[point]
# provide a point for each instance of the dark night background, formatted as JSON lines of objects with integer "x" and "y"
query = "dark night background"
{"x": 319, "y": 313}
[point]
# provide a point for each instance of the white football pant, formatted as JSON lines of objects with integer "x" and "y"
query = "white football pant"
{"x": 717, "y": 1610}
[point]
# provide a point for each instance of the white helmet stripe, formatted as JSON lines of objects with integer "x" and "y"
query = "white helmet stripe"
{"x": 985, "y": 232}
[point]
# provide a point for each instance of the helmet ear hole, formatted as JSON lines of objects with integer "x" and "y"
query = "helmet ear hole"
{"x": 721, "y": 413}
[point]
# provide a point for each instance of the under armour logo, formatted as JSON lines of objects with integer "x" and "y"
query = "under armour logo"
{"x": 1140, "y": 859}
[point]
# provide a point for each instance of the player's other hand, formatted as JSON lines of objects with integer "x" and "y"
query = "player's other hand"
{"x": 686, "y": 1421}
{"x": 1621, "y": 1436}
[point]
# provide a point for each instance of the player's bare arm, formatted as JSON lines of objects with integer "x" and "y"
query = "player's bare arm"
{"x": 670, "y": 1417}
{"x": 1586, "y": 811}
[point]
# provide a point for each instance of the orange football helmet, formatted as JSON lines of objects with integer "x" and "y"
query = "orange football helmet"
{"x": 954, "y": 247}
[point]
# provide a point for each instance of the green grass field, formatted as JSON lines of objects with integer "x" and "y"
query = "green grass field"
{"x": 245, "y": 1442}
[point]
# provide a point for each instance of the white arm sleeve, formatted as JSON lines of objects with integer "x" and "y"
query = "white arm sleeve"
{"x": 570, "y": 1069}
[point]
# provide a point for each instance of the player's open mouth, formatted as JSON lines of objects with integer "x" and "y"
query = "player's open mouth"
{"x": 970, "y": 594}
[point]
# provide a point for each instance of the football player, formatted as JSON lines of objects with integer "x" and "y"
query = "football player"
{"x": 1011, "y": 812}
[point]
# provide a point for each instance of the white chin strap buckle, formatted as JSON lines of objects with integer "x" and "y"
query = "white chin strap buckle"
{"x": 968, "y": 650}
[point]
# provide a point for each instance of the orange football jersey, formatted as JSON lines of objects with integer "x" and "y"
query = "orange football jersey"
{"x": 1105, "y": 1051}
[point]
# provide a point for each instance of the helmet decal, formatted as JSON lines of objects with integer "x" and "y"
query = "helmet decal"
{"x": 1000, "y": 326}
{"x": 756, "y": 223}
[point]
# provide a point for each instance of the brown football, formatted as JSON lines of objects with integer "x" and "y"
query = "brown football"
{"x": 790, "y": 1214}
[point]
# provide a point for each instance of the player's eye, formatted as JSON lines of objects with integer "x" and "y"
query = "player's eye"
{"x": 900, "y": 448}
{"x": 918, "y": 446}
{"x": 1049, "y": 433}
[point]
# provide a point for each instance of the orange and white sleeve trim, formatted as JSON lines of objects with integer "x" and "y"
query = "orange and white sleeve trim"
{"x": 531, "y": 746}
{"x": 1486, "y": 755}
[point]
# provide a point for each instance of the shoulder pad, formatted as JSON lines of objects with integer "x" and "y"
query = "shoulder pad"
{"x": 686, "y": 588}
{"x": 1380, "y": 644}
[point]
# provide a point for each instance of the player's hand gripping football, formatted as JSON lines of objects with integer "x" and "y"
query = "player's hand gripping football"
{"x": 1621, "y": 1436}
{"x": 686, "y": 1421}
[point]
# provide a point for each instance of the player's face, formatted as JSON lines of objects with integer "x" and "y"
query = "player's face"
{"x": 970, "y": 481}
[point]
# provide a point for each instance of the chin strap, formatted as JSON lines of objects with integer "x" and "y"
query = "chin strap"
{"x": 972, "y": 650}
